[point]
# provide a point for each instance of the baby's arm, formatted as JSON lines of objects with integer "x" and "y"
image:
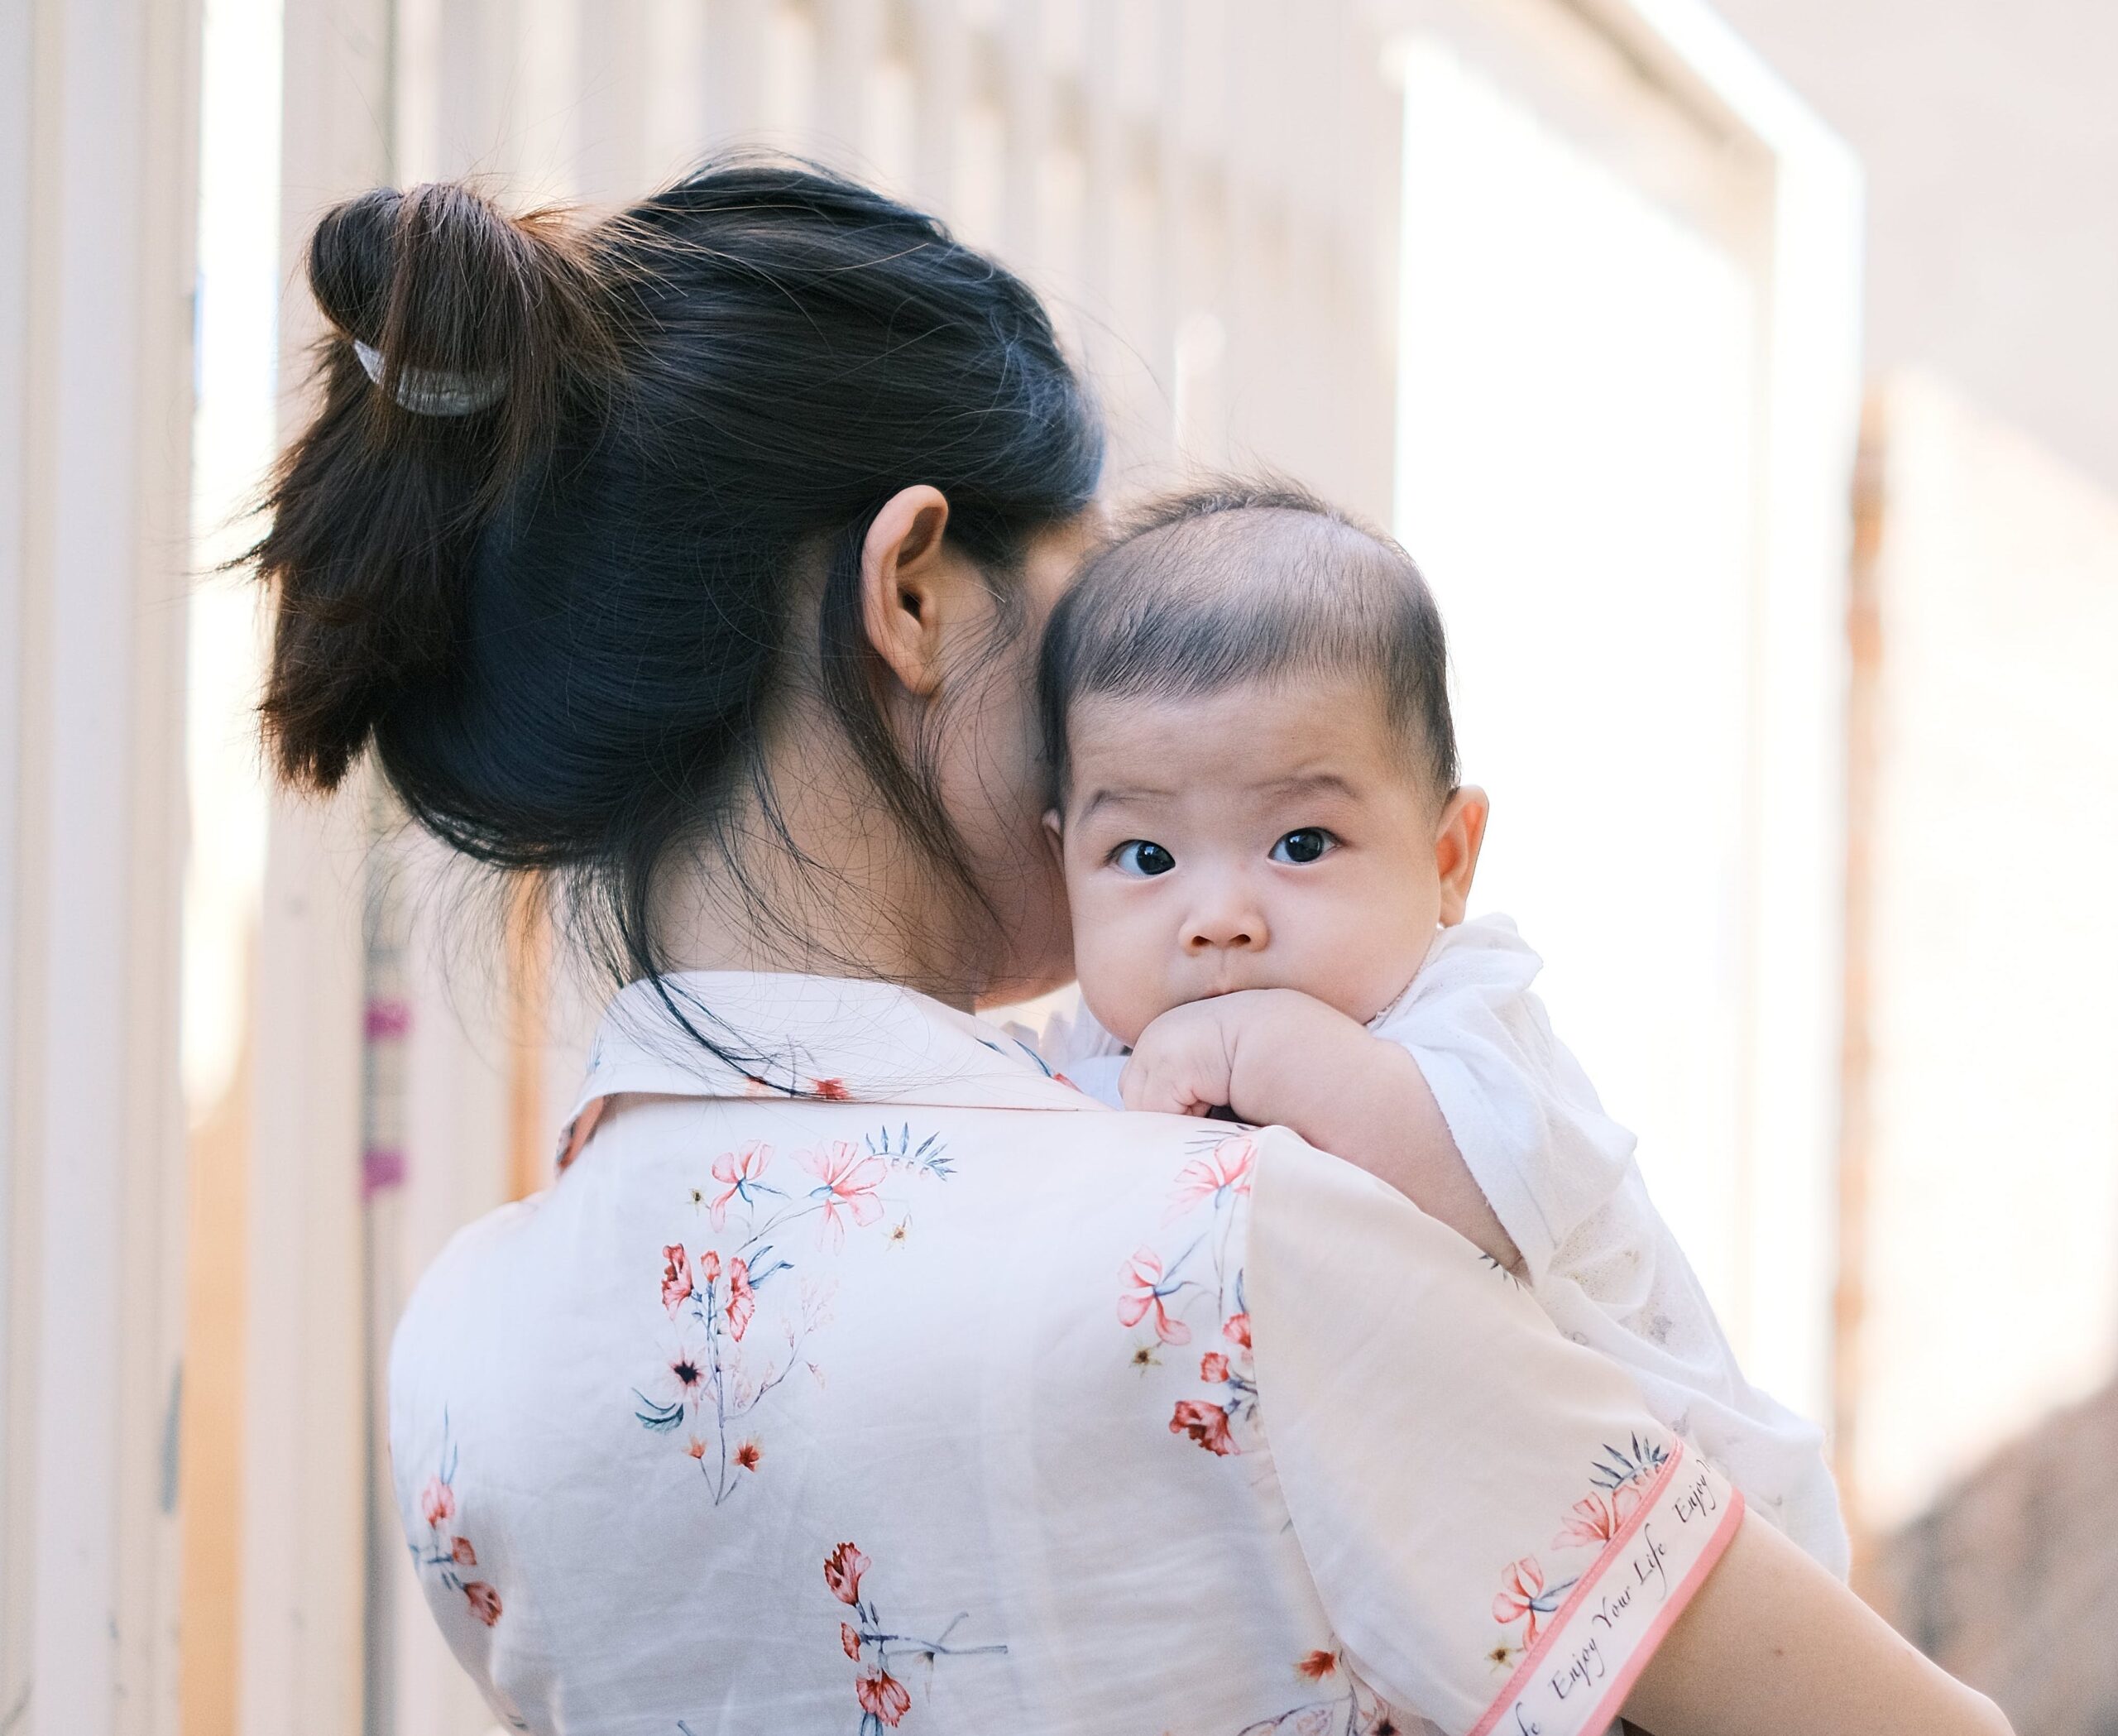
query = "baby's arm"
{"x": 1277, "y": 1055}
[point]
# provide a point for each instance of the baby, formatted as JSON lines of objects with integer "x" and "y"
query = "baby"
{"x": 1269, "y": 858}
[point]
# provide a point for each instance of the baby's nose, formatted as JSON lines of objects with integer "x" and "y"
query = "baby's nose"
{"x": 1237, "y": 927}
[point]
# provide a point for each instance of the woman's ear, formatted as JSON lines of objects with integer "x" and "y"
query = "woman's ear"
{"x": 910, "y": 588}
{"x": 1457, "y": 840}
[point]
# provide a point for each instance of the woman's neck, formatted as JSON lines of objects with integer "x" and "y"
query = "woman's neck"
{"x": 811, "y": 874}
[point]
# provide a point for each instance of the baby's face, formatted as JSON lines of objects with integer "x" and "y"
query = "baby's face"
{"x": 1271, "y": 836}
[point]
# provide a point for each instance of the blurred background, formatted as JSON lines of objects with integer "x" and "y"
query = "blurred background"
{"x": 1745, "y": 382}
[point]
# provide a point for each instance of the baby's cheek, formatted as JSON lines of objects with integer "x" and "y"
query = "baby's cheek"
{"x": 1354, "y": 958}
{"x": 1119, "y": 982}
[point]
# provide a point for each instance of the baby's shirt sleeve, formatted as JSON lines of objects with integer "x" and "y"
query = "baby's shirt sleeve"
{"x": 1523, "y": 1114}
{"x": 1559, "y": 1175}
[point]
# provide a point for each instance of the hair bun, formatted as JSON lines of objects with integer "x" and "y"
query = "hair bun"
{"x": 467, "y": 338}
{"x": 441, "y": 285}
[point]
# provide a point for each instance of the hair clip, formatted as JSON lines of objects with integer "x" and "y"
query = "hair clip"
{"x": 427, "y": 392}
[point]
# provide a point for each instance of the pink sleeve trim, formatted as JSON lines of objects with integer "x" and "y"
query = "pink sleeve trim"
{"x": 1575, "y": 1680}
{"x": 1613, "y": 1700}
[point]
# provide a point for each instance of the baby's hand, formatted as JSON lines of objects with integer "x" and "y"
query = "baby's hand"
{"x": 1279, "y": 1056}
{"x": 1260, "y": 1052}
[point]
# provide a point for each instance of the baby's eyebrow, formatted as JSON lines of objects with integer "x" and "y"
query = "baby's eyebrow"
{"x": 1312, "y": 783}
{"x": 1124, "y": 798}
{"x": 1297, "y": 783}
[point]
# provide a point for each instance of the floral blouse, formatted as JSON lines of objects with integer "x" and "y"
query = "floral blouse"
{"x": 865, "y": 1375}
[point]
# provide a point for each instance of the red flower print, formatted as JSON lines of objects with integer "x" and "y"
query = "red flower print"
{"x": 1520, "y": 1587}
{"x": 709, "y": 1266}
{"x": 882, "y": 1695}
{"x": 1236, "y": 1330}
{"x": 833, "y": 1090}
{"x": 1318, "y": 1664}
{"x": 848, "y": 1179}
{"x": 676, "y": 1278}
{"x": 1213, "y": 1366}
{"x": 461, "y": 1552}
{"x": 1226, "y": 1168}
{"x": 1207, "y": 1424}
{"x": 1146, "y": 1295}
{"x": 842, "y": 1570}
{"x": 748, "y": 1454}
{"x": 437, "y": 1502}
{"x": 484, "y": 1600}
{"x": 695, "y": 1447}
{"x": 741, "y": 1305}
{"x": 884, "y": 1699}
{"x": 739, "y": 1169}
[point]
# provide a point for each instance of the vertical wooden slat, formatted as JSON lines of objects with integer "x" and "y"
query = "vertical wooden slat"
{"x": 1864, "y": 650}
{"x": 540, "y": 48}
{"x": 940, "y": 75}
{"x": 458, "y": 1119}
{"x": 239, "y": 273}
{"x": 307, "y": 1461}
{"x": 607, "y": 158}
{"x": 1169, "y": 282}
{"x": 1103, "y": 173}
{"x": 529, "y": 990}
{"x": 677, "y": 129}
{"x": 97, "y": 209}
{"x": 19, "y": 1203}
{"x": 1026, "y": 103}
{"x": 849, "y": 39}
{"x": 736, "y": 47}
{"x": 1367, "y": 242}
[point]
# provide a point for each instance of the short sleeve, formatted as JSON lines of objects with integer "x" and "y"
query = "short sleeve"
{"x": 1499, "y": 1532}
{"x": 1524, "y": 1116}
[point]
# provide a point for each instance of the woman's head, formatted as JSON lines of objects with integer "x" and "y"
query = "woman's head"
{"x": 768, "y": 463}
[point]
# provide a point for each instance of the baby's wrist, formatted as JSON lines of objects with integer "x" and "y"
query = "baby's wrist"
{"x": 1291, "y": 1051}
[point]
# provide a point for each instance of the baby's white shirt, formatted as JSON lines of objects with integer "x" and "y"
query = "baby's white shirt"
{"x": 1559, "y": 1175}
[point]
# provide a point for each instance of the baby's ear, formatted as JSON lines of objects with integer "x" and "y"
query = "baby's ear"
{"x": 1457, "y": 841}
{"x": 1055, "y": 824}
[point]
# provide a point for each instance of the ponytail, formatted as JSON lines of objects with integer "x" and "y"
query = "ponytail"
{"x": 377, "y": 507}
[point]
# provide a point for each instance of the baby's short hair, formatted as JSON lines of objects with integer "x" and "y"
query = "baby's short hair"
{"x": 1242, "y": 581}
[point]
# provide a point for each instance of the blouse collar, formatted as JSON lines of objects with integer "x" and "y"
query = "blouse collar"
{"x": 831, "y": 1037}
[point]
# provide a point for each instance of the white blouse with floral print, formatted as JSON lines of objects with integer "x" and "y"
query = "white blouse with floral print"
{"x": 873, "y": 1377}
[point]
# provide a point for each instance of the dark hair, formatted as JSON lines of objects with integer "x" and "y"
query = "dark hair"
{"x": 559, "y": 615}
{"x": 1241, "y": 581}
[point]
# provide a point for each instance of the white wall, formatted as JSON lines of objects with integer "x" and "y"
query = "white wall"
{"x": 1628, "y": 391}
{"x": 1989, "y": 1280}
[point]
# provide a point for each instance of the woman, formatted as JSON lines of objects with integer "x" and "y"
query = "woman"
{"x": 855, "y": 1372}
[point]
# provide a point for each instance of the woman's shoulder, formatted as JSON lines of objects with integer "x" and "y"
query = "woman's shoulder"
{"x": 465, "y": 1279}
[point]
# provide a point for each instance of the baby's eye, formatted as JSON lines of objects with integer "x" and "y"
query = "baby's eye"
{"x": 1139, "y": 856}
{"x": 1305, "y": 846}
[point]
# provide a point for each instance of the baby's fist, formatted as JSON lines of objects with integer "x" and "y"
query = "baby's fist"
{"x": 1267, "y": 1054}
{"x": 1182, "y": 1063}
